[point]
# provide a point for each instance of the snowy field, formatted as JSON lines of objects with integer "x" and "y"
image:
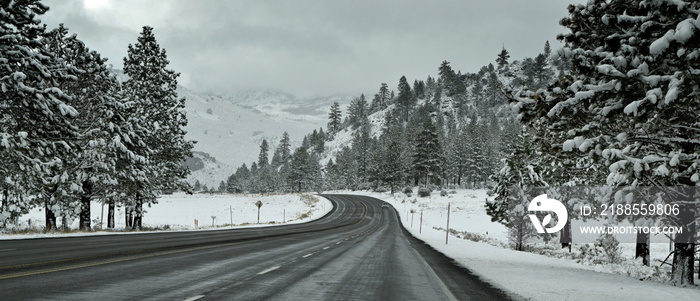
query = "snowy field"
{"x": 179, "y": 212}
{"x": 555, "y": 276}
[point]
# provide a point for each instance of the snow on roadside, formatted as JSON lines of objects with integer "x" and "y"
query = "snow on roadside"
{"x": 527, "y": 275}
{"x": 179, "y": 211}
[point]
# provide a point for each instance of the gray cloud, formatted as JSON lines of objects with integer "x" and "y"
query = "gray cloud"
{"x": 315, "y": 47}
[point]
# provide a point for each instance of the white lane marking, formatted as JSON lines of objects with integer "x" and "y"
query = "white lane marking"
{"x": 5, "y": 250}
{"x": 442, "y": 285}
{"x": 269, "y": 270}
{"x": 326, "y": 248}
{"x": 338, "y": 243}
{"x": 307, "y": 255}
{"x": 194, "y": 298}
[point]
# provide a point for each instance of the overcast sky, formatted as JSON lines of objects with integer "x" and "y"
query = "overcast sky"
{"x": 317, "y": 47}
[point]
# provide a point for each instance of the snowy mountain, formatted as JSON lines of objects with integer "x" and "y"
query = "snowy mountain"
{"x": 229, "y": 127}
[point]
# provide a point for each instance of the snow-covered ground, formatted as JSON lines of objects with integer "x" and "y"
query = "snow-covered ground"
{"x": 179, "y": 212}
{"x": 555, "y": 276}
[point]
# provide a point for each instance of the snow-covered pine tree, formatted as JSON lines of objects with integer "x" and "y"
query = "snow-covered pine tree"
{"x": 90, "y": 167}
{"x": 391, "y": 162}
{"x": 427, "y": 159}
{"x": 502, "y": 60}
{"x": 151, "y": 88}
{"x": 419, "y": 89}
{"x": 35, "y": 120}
{"x": 362, "y": 145}
{"x": 222, "y": 187}
{"x": 262, "y": 156}
{"x": 335, "y": 119}
{"x": 304, "y": 171}
{"x": 358, "y": 112}
{"x": 447, "y": 77}
{"x": 380, "y": 100}
{"x": 282, "y": 152}
{"x": 517, "y": 183}
{"x": 631, "y": 101}
{"x": 405, "y": 100}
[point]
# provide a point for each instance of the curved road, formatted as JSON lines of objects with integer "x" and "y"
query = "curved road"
{"x": 359, "y": 251}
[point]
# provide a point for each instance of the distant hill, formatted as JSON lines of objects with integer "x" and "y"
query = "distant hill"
{"x": 230, "y": 127}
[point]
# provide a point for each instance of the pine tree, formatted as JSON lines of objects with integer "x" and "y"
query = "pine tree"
{"x": 304, "y": 171}
{"x": 405, "y": 100}
{"x": 502, "y": 60}
{"x": 447, "y": 78}
{"x": 381, "y": 99}
{"x": 35, "y": 119}
{"x": 90, "y": 169}
{"x": 334, "y": 119}
{"x": 283, "y": 151}
{"x": 262, "y": 156}
{"x": 358, "y": 112}
{"x": 393, "y": 166}
{"x": 426, "y": 158}
{"x": 419, "y": 89}
{"x": 242, "y": 178}
{"x": 517, "y": 183}
{"x": 541, "y": 71}
{"x": 361, "y": 147}
{"x": 630, "y": 105}
{"x": 151, "y": 88}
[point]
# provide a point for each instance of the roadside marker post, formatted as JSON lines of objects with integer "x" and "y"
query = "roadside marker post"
{"x": 447, "y": 231}
{"x": 420, "y": 229}
{"x": 412, "y": 212}
{"x": 258, "y": 204}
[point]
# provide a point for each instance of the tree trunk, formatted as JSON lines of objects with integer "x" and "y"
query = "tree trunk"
{"x": 110, "y": 214}
{"x": 64, "y": 222}
{"x": 128, "y": 215}
{"x": 50, "y": 216}
{"x": 565, "y": 235}
{"x": 5, "y": 197}
{"x": 85, "y": 199}
{"x": 138, "y": 212}
{"x": 683, "y": 264}
{"x": 684, "y": 245}
{"x": 642, "y": 249}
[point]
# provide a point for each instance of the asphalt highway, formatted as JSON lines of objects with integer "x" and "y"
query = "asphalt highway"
{"x": 359, "y": 251}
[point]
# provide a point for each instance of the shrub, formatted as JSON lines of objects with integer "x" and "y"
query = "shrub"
{"x": 407, "y": 190}
{"x": 381, "y": 189}
{"x": 364, "y": 186}
{"x": 423, "y": 192}
{"x": 609, "y": 247}
{"x": 443, "y": 192}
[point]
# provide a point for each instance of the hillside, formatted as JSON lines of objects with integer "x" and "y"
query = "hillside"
{"x": 229, "y": 127}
